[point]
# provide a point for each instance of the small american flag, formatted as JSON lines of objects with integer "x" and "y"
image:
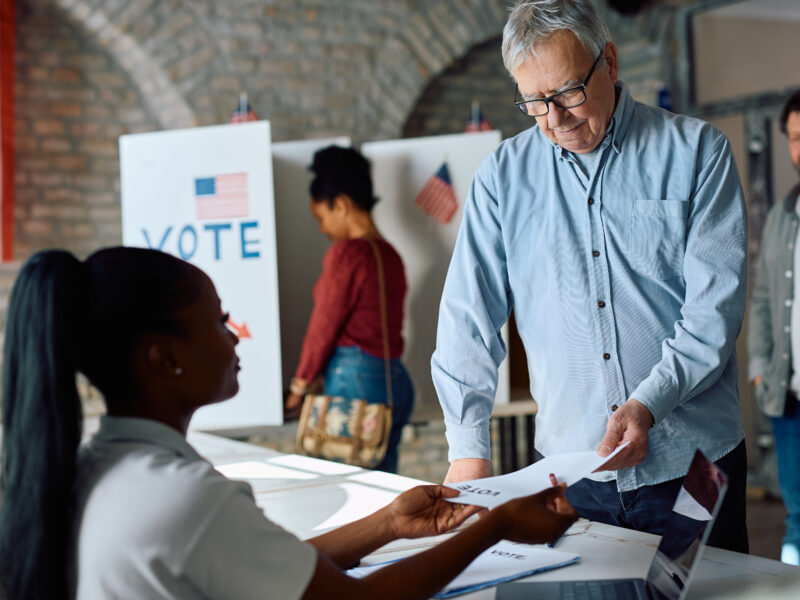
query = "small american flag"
{"x": 244, "y": 112}
{"x": 223, "y": 196}
{"x": 437, "y": 197}
{"x": 477, "y": 122}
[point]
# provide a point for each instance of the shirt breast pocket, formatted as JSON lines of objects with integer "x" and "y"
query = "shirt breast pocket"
{"x": 657, "y": 237}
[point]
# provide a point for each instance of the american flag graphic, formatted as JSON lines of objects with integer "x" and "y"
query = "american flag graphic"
{"x": 437, "y": 197}
{"x": 223, "y": 196}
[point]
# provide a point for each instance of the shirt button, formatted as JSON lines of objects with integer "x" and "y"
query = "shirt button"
{"x": 785, "y": 356}
{"x": 787, "y": 329}
{"x": 788, "y": 274}
{"x": 591, "y": 200}
{"x": 614, "y": 407}
{"x": 601, "y": 304}
{"x": 787, "y": 302}
{"x": 791, "y": 246}
{"x": 595, "y": 253}
{"x": 606, "y": 356}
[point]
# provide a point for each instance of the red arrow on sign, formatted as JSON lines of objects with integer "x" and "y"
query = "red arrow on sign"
{"x": 241, "y": 331}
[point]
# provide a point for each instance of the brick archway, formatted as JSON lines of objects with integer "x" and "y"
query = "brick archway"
{"x": 433, "y": 38}
{"x": 164, "y": 100}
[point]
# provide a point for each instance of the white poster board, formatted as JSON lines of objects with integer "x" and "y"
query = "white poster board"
{"x": 400, "y": 168}
{"x": 301, "y": 246}
{"x": 206, "y": 195}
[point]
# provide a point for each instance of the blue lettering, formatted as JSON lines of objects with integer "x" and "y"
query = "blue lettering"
{"x": 216, "y": 228}
{"x": 161, "y": 243}
{"x": 183, "y": 253}
{"x": 245, "y": 242}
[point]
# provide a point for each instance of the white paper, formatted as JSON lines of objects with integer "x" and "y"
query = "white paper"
{"x": 569, "y": 468}
{"x": 502, "y": 562}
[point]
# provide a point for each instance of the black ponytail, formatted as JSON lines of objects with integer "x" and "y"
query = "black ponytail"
{"x": 42, "y": 424}
{"x": 66, "y": 316}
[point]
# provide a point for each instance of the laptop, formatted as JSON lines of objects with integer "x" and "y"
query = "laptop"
{"x": 676, "y": 558}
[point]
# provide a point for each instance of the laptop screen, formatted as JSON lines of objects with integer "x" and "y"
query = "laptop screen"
{"x": 687, "y": 528}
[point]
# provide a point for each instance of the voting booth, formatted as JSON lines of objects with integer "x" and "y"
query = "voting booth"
{"x": 301, "y": 246}
{"x": 206, "y": 195}
{"x": 228, "y": 200}
{"x": 400, "y": 170}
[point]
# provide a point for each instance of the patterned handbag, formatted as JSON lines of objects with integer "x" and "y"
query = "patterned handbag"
{"x": 350, "y": 430}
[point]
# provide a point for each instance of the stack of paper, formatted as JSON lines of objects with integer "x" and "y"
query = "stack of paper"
{"x": 500, "y": 563}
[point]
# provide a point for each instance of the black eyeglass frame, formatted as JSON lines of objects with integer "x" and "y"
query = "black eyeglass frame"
{"x": 582, "y": 87}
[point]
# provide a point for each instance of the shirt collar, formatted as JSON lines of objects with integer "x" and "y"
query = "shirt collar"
{"x": 792, "y": 198}
{"x": 143, "y": 431}
{"x": 617, "y": 126}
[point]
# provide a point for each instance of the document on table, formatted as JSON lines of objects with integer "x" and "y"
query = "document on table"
{"x": 500, "y": 563}
{"x": 569, "y": 467}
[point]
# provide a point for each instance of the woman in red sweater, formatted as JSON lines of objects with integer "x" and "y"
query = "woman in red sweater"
{"x": 344, "y": 340}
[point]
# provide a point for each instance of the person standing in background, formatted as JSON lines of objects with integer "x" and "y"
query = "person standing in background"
{"x": 344, "y": 340}
{"x": 774, "y": 335}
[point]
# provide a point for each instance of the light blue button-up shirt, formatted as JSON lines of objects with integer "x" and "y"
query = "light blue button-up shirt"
{"x": 626, "y": 282}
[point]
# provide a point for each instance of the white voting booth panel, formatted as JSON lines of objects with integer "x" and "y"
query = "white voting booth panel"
{"x": 301, "y": 246}
{"x": 400, "y": 168}
{"x": 206, "y": 195}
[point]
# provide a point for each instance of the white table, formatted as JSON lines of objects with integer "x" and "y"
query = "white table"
{"x": 309, "y": 497}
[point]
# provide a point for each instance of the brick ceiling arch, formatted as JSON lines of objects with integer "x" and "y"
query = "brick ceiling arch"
{"x": 158, "y": 89}
{"x": 435, "y": 35}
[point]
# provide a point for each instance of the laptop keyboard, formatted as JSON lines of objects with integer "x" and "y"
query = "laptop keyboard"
{"x": 598, "y": 590}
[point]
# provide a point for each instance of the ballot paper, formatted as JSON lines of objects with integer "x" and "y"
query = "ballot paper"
{"x": 569, "y": 468}
{"x": 500, "y": 563}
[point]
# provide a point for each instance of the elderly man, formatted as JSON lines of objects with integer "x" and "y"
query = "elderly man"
{"x": 616, "y": 232}
{"x": 774, "y": 335}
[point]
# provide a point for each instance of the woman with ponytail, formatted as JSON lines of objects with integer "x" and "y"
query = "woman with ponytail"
{"x": 136, "y": 512}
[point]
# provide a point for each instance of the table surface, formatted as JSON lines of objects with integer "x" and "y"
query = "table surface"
{"x": 341, "y": 493}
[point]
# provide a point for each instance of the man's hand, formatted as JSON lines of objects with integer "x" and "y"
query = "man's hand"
{"x": 630, "y": 422}
{"x": 423, "y": 511}
{"x": 757, "y": 380}
{"x": 467, "y": 469}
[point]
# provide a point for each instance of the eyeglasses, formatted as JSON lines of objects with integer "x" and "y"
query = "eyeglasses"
{"x": 569, "y": 98}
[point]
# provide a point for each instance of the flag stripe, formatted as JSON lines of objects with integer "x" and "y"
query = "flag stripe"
{"x": 437, "y": 197}
{"x": 223, "y": 196}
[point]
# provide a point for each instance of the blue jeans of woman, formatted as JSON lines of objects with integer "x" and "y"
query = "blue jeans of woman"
{"x": 353, "y": 373}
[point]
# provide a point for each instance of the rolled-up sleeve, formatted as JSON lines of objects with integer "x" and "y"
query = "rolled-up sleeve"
{"x": 475, "y": 304}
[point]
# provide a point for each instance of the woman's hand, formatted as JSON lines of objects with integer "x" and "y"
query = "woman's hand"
{"x": 537, "y": 519}
{"x": 292, "y": 405}
{"x": 423, "y": 511}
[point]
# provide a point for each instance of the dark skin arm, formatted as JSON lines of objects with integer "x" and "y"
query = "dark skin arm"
{"x": 419, "y": 512}
{"x": 540, "y": 518}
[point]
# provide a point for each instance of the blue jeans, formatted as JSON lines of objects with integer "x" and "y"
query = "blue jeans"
{"x": 353, "y": 373}
{"x": 787, "y": 449}
{"x": 648, "y": 507}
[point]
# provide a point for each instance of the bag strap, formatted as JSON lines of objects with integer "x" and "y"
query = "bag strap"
{"x": 384, "y": 320}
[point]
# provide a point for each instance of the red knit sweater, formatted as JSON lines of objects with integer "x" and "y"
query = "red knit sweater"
{"x": 347, "y": 305}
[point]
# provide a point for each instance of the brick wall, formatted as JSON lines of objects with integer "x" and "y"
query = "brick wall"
{"x": 72, "y": 102}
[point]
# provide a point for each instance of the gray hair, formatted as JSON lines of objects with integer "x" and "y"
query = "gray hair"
{"x": 532, "y": 21}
